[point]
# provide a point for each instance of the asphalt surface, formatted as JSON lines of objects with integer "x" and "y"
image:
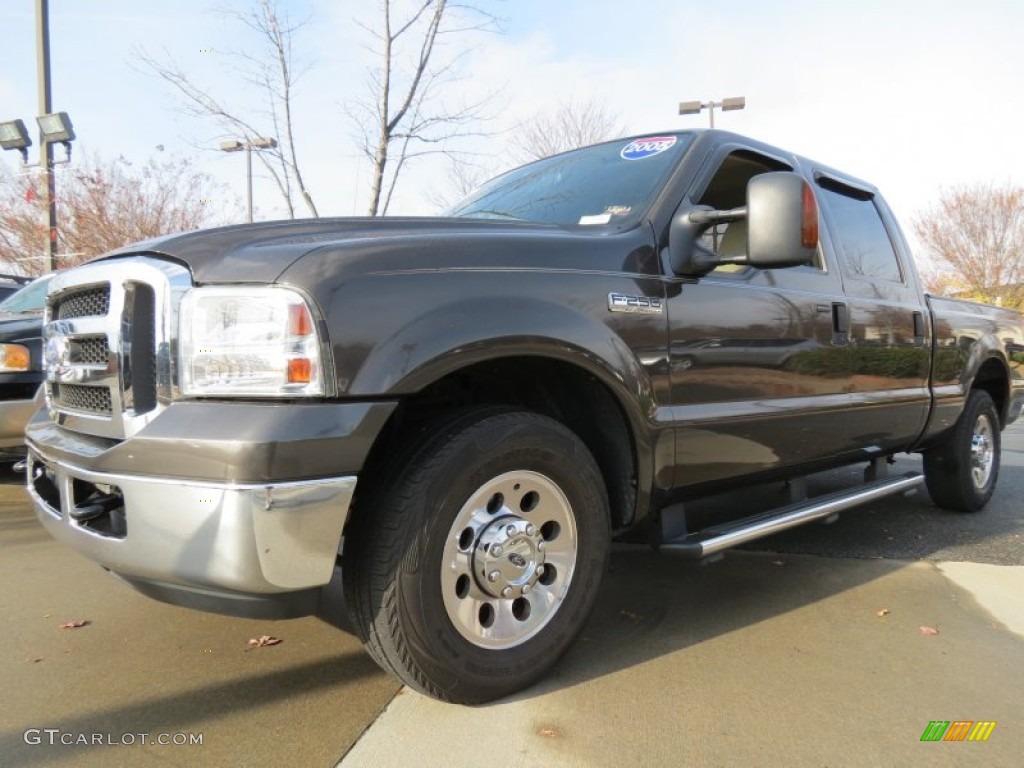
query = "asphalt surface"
{"x": 827, "y": 645}
{"x": 143, "y": 667}
{"x": 771, "y": 657}
{"x": 759, "y": 660}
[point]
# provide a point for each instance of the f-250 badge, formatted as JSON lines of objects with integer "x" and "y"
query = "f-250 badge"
{"x": 635, "y": 305}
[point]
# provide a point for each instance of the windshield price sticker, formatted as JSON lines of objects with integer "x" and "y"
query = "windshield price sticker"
{"x": 647, "y": 147}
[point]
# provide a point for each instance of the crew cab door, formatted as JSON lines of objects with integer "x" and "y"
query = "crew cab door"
{"x": 888, "y": 333}
{"x": 751, "y": 349}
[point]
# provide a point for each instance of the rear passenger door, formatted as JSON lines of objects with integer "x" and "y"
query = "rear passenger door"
{"x": 888, "y": 335}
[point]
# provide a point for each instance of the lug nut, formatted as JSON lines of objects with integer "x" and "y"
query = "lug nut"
{"x": 506, "y": 592}
{"x": 493, "y": 575}
{"x": 510, "y": 530}
{"x": 495, "y": 551}
{"x": 526, "y": 589}
{"x": 541, "y": 545}
{"x": 530, "y": 528}
{"x": 540, "y": 570}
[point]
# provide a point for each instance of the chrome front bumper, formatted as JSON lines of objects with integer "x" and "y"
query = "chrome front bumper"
{"x": 244, "y": 549}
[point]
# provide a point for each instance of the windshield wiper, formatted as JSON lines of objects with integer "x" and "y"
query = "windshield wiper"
{"x": 490, "y": 214}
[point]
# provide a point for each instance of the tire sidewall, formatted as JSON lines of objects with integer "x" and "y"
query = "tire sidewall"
{"x": 979, "y": 404}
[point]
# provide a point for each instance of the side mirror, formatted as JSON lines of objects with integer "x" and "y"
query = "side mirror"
{"x": 782, "y": 221}
{"x": 781, "y": 218}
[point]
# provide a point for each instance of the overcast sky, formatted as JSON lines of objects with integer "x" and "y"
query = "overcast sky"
{"x": 912, "y": 96}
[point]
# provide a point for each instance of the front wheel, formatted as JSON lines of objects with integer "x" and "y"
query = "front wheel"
{"x": 476, "y": 563}
{"x": 961, "y": 472}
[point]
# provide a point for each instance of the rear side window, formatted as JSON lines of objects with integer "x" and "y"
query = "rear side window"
{"x": 864, "y": 248}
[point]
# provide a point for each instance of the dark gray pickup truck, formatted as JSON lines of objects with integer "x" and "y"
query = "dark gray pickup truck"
{"x": 437, "y": 426}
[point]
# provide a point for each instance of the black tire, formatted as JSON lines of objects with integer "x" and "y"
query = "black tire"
{"x": 961, "y": 473}
{"x": 424, "y": 547}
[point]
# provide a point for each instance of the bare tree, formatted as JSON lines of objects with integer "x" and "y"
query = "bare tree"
{"x": 571, "y": 125}
{"x": 271, "y": 71}
{"x": 464, "y": 175}
{"x": 975, "y": 238}
{"x": 102, "y": 205}
{"x": 405, "y": 117}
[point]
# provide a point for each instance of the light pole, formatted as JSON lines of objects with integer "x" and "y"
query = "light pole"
{"x": 726, "y": 105}
{"x": 54, "y": 128}
{"x": 234, "y": 145}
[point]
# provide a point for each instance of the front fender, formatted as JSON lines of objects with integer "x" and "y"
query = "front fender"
{"x": 464, "y": 332}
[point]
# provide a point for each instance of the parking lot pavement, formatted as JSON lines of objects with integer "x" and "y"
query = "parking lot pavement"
{"x": 140, "y": 666}
{"x": 775, "y": 657}
{"x": 761, "y": 659}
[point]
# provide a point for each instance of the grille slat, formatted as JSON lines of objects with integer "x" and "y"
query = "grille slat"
{"x": 82, "y": 398}
{"x": 91, "y": 350}
{"x": 92, "y": 302}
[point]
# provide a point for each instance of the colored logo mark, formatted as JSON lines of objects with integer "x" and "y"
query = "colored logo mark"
{"x": 958, "y": 730}
{"x": 646, "y": 147}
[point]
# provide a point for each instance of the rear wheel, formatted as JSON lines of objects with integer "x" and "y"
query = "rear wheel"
{"x": 961, "y": 473}
{"x": 476, "y": 562}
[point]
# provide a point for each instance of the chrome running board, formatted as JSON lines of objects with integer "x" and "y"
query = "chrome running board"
{"x": 713, "y": 540}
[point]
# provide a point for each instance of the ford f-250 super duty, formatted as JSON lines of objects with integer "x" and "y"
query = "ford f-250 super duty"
{"x": 442, "y": 423}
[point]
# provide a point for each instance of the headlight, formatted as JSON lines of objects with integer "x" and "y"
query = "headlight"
{"x": 14, "y": 357}
{"x": 239, "y": 340}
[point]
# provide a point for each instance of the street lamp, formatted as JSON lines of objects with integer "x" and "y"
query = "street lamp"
{"x": 57, "y": 128}
{"x": 726, "y": 105}
{"x": 234, "y": 145}
{"x": 54, "y": 128}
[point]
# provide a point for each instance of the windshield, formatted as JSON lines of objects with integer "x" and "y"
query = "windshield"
{"x": 611, "y": 183}
{"x": 31, "y": 298}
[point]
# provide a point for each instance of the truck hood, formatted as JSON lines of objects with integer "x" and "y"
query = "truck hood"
{"x": 20, "y": 327}
{"x": 261, "y": 253}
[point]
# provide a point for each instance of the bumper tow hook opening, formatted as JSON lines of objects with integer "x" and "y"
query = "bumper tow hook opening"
{"x": 95, "y": 507}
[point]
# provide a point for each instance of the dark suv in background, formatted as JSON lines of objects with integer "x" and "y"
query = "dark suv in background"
{"x": 21, "y": 364}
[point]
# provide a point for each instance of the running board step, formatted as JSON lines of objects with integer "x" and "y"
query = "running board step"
{"x": 713, "y": 540}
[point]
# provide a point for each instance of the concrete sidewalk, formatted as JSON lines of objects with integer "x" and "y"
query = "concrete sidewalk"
{"x": 758, "y": 660}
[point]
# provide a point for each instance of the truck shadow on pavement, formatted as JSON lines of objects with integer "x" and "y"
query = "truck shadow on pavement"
{"x": 196, "y": 708}
{"x": 651, "y": 605}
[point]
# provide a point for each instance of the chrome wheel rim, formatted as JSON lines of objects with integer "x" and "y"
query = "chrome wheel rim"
{"x": 509, "y": 559}
{"x": 982, "y": 452}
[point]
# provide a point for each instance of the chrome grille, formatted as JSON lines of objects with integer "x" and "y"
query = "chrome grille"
{"x": 108, "y": 339}
{"x": 91, "y": 302}
{"x": 79, "y": 398}
{"x": 91, "y": 350}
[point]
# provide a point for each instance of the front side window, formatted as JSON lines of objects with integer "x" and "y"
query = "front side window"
{"x": 607, "y": 184}
{"x": 864, "y": 248}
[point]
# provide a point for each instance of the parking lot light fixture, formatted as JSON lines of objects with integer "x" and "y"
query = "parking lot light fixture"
{"x": 235, "y": 145}
{"x": 729, "y": 104}
{"x": 56, "y": 127}
{"x": 13, "y": 135}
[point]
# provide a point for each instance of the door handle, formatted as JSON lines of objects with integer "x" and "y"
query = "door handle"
{"x": 918, "y": 329}
{"x": 840, "y": 324}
